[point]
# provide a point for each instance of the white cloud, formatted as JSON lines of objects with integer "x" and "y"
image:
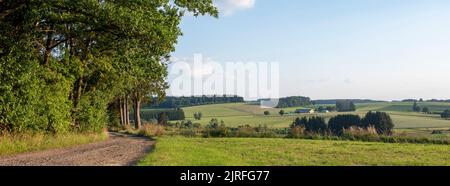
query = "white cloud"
{"x": 228, "y": 7}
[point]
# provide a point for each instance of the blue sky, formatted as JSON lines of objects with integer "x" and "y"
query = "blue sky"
{"x": 376, "y": 49}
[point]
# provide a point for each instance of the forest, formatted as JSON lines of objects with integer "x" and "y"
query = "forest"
{"x": 77, "y": 65}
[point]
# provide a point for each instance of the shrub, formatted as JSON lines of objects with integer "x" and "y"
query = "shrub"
{"x": 363, "y": 134}
{"x": 266, "y": 113}
{"x": 214, "y": 129}
{"x": 296, "y": 132}
{"x": 189, "y": 132}
{"x": 151, "y": 130}
{"x": 198, "y": 115}
{"x": 445, "y": 114}
{"x": 339, "y": 123}
{"x": 437, "y": 132}
{"x": 316, "y": 125}
{"x": 380, "y": 120}
{"x": 162, "y": 118}
{"x": 281, "y": 112}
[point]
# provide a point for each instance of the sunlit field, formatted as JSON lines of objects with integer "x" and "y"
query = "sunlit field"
{"x": 237, "y": 114}
{"x": 180, "y": 151}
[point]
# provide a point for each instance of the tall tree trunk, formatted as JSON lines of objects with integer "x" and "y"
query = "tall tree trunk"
{"x": 127, "y": 112}
{"x": 122, "y": 123}
{"x": 137, "y": 112}
{"x": 48, "y": 48}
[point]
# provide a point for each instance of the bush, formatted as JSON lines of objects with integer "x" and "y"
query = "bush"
{"x": 266, "y": 113}
{"x": 380, "y": 120}
{"x": 214, "y": 129}
{"x": 363, "y": 134}
{"x": 281, "y": 112}
{"x": 151, "y": 130}
{"x": 339, "y": 123}
{"x": 296, "y": 132}
{"x": 445, "y": 114}
{"x": 198, "y": 115}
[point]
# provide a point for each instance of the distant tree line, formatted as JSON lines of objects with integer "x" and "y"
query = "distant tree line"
{"x": 345, "y": 106}
{"x": 162, "y": 115}
{"x": 177, "y": 102}
{"x": 422, "y": 100}
{"x": 381, "y": 121}
{"x": 294, "y": 101}
{"x": 334, "y": 101}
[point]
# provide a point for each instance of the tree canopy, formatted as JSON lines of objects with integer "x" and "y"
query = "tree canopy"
{"x": 70, "y": 65}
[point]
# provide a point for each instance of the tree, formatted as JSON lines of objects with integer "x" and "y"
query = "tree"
{"x": 266, "y": 113}
{"x": 380, "y": 120}
{"x": 198, "y": 115}
{"x": 338, "y": 123}
{"x": 345, "y": 106}
{"x": 426, "y": 110}
{"x": 446, "y": 114}
{"x": 64, "y": 63}
{"x": 311, "y": 125}
{"x": 163, "y": 119}
{"x": 331, "y": 108}
{"x": 281, "y": 113}
{"x": 316, "y": 125}
{"x": 416, "y": 108}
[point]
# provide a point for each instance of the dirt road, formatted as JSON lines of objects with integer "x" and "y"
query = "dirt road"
{"x": 118, "y": 150}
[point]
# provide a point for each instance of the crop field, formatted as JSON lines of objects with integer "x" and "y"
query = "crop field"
{"x": 237, "y": 114}
{"x": 180, "y": 151}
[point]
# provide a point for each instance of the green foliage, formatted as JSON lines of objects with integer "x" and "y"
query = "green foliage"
{"x": 445, "y": 114}
{"x": 215, "y": 129}
{"x": 198, "y": 115}
{"x": 172, "y": 114}
{"x": 416, "y": 108}
{"x": 63, "y": 63}
{"x": 295, "y": 101}
{"x": 266, "y": 113}
{"x": 380, "y": 120}
{"x": 345, "y": 106}
{"x": 281, "y": 112}
{"x": 163, "y": 118}
{"x": 310, "y": 125}
{"x": 177, "y": 102}
{"x": 339, "y": 123}
{"x": 426, "y": 110}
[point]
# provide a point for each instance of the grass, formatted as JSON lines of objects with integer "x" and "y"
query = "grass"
{"x": 236, "y": 114}
{"x": 180, "y": 151}
{"x": 14, "y": 144}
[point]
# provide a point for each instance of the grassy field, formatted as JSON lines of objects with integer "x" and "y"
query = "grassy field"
{"x": 14, "y": 144}
{"x": 237, "y": 114}
{"x": 179, "y": 151}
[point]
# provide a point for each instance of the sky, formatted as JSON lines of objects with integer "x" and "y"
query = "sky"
{"x": 329, "y": 49}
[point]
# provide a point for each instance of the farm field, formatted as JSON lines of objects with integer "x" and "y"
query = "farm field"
{"x": 237, "y": 114}
{"x": 180, "y": 151}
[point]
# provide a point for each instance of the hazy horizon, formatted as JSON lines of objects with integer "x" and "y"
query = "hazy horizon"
{"x": 373, "y": 49}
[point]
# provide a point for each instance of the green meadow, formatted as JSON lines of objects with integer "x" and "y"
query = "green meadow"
{"x": 180, "y": 151}
{"x": 236, "y": 114}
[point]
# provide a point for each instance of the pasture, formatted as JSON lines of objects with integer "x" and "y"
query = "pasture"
{"x": 180, "y": 151}
{"x": 236, "y": 114}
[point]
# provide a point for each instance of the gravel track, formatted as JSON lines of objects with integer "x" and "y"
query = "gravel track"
{"x": 118, "y": 150}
